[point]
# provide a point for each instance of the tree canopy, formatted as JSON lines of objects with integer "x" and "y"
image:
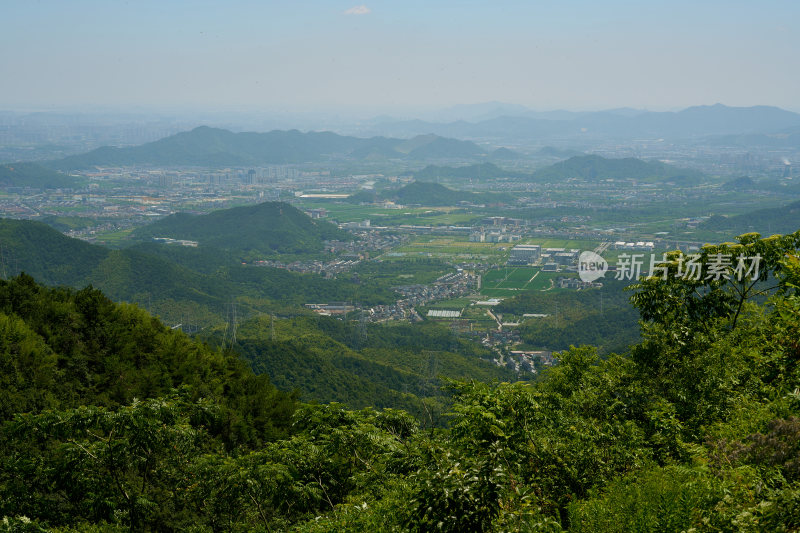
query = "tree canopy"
{"x": 695, "y": 428}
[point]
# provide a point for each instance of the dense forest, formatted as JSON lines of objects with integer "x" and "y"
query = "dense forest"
{"x": 769, "y": 221}
{"x": 600, "y": 317}
{"x": 363, "y": 365}
{"x": 113, "y": 422}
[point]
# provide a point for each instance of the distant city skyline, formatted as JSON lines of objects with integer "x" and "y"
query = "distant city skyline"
{"x": 402, "y": 58}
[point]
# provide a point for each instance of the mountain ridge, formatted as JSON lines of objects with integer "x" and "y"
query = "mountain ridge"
{"x": 692, "y": 122}
{"x": 207, "y": 146}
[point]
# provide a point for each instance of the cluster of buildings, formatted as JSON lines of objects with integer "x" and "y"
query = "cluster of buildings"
{"x": 525, "y": 254}
{"x": 493, "y": 236}
{"x": 551, "y": 259}
{"x": 576, "y": 283}
{"x": 331, "y": 309}
{"x": 179, "y": 242}
{"x": 453, "y": 285}
{"x": 368, "y": 241}
{"x": 528, "y": 360}
{"x": 639, "y": 246}
{"x": 498, "y": 229}
{"x": 449, "y": 286}
{"x": 562, "y": 257}
{"x": 327, "y": 269}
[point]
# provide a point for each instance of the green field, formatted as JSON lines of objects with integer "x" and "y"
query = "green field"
{"x": 505, "y": 281}
{"x": 114, "y": 238}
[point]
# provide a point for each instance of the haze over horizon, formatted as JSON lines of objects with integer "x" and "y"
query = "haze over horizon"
{"x": 396, "y": 58}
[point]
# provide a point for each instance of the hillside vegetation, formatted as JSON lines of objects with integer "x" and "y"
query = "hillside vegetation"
{"x": 36, "y": 177}
{"x": 767, "y": 221}
{"x": 180, "y": 284}
{"x": 695, "y": 428}
{"x": 370, "y": 365}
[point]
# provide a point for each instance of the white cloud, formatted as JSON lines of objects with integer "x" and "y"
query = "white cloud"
{"x": 358, "y": 10}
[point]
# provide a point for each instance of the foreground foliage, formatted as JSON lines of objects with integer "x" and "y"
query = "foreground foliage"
{"x": 697, "y": 428}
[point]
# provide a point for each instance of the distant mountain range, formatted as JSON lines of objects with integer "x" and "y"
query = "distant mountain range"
{"x": 419, "y": 140}
{"x": 204, "y": 146}
{"x": 691, "y": 123}
{"x": 263, "y": 229}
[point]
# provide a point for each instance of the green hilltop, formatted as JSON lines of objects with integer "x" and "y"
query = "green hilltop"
{"x": 485, "y": 171}
{"x": 594, "y": 167}
{"x": 432, "y": 194}
{"x": 435, "y": 147}
{"x": 62, "y": 349}
{"x": 35, "y": 176}
{"x": 268, "y": 228}
{"x": 767, "y": 221}
{"x": 172, "y": 281}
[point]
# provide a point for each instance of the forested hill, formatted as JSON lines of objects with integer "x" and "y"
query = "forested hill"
{"x": 35, "y": 176}
{"x": 696, "y": 428}
{"x": 46, "y": 254}
{"x": 480, "y": 171}
{"x": 267, "y": 228}
{"x": 767, "y": 221}
{"x": 62, "y": 348}
{"x": 593, "y": 167}
{"x": 587, "y": 167}
{"x": 374, "y": 365}
{"x": 426, "y": 193}
{"x": 204, "y": 146}
{"x": 178, "y": 283}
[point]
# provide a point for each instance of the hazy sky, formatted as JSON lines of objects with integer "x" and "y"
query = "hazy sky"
{"x": 394, "y": 54}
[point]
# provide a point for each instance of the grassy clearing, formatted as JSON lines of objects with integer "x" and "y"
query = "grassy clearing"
{"x": 507, "y": 281}
{"x": 114, "y": 238}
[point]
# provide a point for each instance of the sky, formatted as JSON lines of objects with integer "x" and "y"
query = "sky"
{"x": 395, "y": 55}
